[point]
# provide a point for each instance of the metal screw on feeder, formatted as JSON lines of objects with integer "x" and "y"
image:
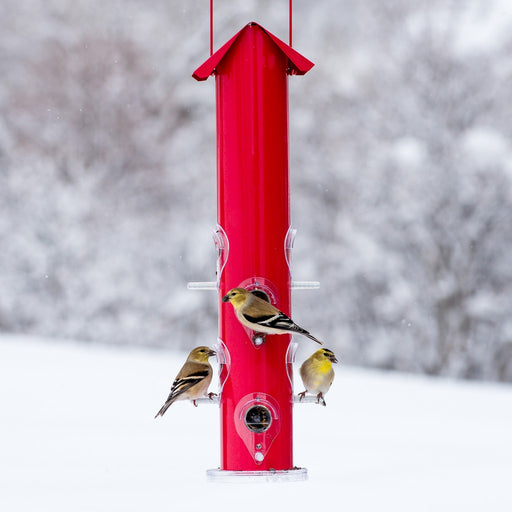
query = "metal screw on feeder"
{"x": 253, "y": 241}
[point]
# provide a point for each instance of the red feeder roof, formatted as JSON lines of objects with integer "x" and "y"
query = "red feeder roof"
{"x": 299, "y": 65}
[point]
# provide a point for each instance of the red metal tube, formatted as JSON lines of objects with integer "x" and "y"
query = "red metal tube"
{"x": 254, "y": 218}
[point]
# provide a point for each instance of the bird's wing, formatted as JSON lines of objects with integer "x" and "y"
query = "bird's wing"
{"x": 280, "y": 322}
{"x": 275, "y": 321}
{"x": 259, "y": 312}
{"x": 255, "y": 305}
{"x": 190, "y": 375}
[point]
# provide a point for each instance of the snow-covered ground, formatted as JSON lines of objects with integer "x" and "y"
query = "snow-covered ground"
{"x": 78, "y": 434}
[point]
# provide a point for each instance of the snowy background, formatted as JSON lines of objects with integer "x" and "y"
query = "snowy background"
{"x": 78, "y": 434}
{"x": 401, "y": 174}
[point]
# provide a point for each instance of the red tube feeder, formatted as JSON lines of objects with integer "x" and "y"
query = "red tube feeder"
{"x": 253, "y": 241}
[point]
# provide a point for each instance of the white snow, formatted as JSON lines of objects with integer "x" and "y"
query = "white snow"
{"x": 78, "y": 434}
{"x": 486, "y": 146}
{"x": 409, "y": 152}
{"x": 480, "y": 28}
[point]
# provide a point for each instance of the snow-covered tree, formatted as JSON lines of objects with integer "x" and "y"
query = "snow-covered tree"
{"x": 400, "y": 171}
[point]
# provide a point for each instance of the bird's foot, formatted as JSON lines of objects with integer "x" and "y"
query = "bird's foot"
{"x": 320, "y": 399}
{"x": 211, "y": 395}
{"x": 194, "y": 402}
{"x": 301, "y": 395}
{"x": 258, "y": 338}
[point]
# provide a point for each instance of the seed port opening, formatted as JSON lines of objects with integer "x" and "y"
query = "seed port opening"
{"x": 258, "y": 419}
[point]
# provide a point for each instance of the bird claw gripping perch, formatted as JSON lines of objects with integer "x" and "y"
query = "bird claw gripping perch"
{"x": 320, "y": 399}
{"x": 209, "y": 395}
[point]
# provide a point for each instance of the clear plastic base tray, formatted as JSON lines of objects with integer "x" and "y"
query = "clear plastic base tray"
{"x": 289, "y": 475}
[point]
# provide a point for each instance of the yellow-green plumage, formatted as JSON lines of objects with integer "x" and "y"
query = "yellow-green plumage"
{"x": 317, "y": 373}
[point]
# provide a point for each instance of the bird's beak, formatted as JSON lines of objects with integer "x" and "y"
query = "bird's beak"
{"x": 225, "y": 298}
{"x": 212, "y": 353}
{"x": 334, "y": 360}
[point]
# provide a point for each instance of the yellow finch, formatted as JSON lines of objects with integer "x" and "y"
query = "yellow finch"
{"x": 261, "y": 316}
{"x": 317, "y": 373}
{"x": 193, "y": 379}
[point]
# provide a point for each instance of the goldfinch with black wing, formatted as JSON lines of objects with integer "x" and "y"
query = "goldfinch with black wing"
{"x": 317, "y": 374}
{"x": 261, "y": 316}
{"x": 192, "y": 380}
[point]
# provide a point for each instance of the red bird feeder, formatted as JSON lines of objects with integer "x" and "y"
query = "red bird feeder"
{"x": 253, "y": 241}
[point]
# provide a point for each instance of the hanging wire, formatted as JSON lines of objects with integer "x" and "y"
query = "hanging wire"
{"x": 290, "y": 25}
{"x": 211, "y": 27}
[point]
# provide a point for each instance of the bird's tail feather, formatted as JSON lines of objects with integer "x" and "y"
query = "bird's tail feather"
{"x": 164, "y": 408}
{"x": 300, "y": 330}
{"x": 310, "y": 336}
